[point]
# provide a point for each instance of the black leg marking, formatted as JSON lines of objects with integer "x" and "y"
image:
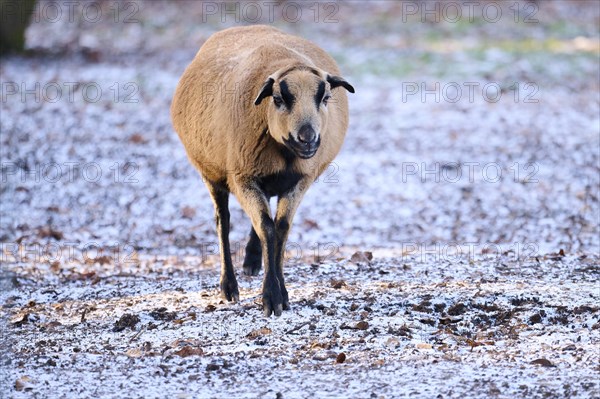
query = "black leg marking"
{"x": 282, "y": 228}
{"x": 286, "y": 209}
{"x": 256, "y": 205}
{"x": 253, "y": 258}
{"x": 229, "y": 286}
{"x": 272, "y": 298}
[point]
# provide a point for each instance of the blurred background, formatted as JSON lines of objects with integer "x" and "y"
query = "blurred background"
{"x": 450, "y": 250}
{"x": 472, "y": 123}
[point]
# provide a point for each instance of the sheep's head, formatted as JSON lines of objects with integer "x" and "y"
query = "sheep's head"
{"x": 298, "y": 109}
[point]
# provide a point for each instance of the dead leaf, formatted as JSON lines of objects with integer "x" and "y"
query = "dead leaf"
{"x": 55, "y": 266}
{"x": 184, "y": 347}
{"x": 361, "y": 257}
{"x": 310, "y": 224}
{"x": 341, "y": 358}
{"x": 185, "y": 342}
{"x": 362, "y": 325}
{"x": 103, "y": 260}
{"x": 126, "y": 321}
{"x": 19, "y": 319}
{"x": 457, "y": 309}
{"x": 53, "y": 325}
{"x": 188, "y": 212}
{"x": 163, "y": 315}
{"x": 337, "y": 284}
{"x": 188, "y": 351}
{"x": 543, "y": 362}
{"x": 378, "y": 362}
{"x": 210, "y": 308}
{"x": 556, "y": 256}
{"x": 324, "y": 355}
{"x": 474, "y": 344}
{"x": 83, "y": 276}
{"x": 323, "y": 345}
{"x": 49, "y": 232}
{"x": 259, "y": 333}
{"x": 444, "y": 321}
{"x": 135, "y": 352}
{"x": 137, "y": 138}
{"x": 23, "y": 384}
{"x": 423, "y": 345}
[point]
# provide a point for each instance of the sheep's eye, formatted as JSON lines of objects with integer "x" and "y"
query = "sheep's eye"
{"x": 277, "y": 101}
{"x": 325, "y": 99}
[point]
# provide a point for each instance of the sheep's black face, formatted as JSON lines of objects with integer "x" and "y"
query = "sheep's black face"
{"x": 298, "y": 109}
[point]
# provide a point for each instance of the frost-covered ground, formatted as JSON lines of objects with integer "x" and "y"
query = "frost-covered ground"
{"x": 482, "y": 215}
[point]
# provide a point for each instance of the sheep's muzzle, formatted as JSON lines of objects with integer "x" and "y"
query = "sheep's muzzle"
{"x": 303, "y": 149}
{"x": 306, "y": 143}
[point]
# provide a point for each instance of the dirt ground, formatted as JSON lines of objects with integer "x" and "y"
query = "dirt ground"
{"x": 451, "y": 250}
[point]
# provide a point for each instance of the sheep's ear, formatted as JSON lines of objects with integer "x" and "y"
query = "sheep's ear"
{"x": 337, "y": 81}
{"x": 265, "y": 91}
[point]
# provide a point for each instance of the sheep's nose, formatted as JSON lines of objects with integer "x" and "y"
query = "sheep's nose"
{"x": 306, "y": 134}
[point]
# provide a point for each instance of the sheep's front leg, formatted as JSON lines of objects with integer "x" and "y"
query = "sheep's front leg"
{"x": 256, "y": 205}
{"x": 287, "y": 205}
{"x": 220, "y": 197}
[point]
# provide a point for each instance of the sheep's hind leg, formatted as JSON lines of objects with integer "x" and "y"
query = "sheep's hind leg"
{"x": 253, "y": 258}
{"x": 220, "y": 197}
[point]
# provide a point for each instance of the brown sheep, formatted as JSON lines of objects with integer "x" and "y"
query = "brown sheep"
{"x": 257, "y": 149}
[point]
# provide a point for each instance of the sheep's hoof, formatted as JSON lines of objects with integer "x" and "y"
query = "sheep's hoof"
{"x": 252, "y": 266}
{"x": 273, "y": 302}
{"x": 276, "y": 311}
{"x": 286, "y": 299}
{"x": 229, "y": 291}
{"x": 251, "y": 270}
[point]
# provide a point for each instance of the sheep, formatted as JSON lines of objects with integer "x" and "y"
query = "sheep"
{"x": 257, "y": 149}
